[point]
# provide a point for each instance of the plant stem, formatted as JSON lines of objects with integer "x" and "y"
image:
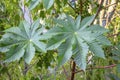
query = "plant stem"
{"x": 81, "y": 6}
{"x": 71, "y": 6}
{"x": 99, "y": 67}
{"x": 98, "y": 11}
{"x": 65, "y": 73}
{"x": 114, "y": 35}
{"x": 73, "y": 71}
{"x": 9, "y": 75}
{"x": 25, "y": 69}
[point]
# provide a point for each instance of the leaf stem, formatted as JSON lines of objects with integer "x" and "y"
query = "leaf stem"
{"x": 25, "y": 68}
{"x": 73, "y": 71}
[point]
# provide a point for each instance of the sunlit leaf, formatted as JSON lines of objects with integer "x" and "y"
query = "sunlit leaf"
{"x": 26, "y": 36}
{"x": 78, "y": 36}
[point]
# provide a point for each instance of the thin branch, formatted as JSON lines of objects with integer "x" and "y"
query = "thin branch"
{"x": 71, "y": 6}
{"x": 98, "y": 11}
{"x": 26, "y": 68}
{"x": 65, "y": 72}
{"x": 9, "y": 75}
{"x": 7, "y": 72}
{"x": 110, "y": 5}
{"x": 89, "y": 60}
{"x": 41, "y": 78}
{"x": 110, "y": 14}
{"x": 81, "y": 6}
{"x": 98, "y": 67}
{"x": 70, "y": 64}
{"x": 114, "y": 35}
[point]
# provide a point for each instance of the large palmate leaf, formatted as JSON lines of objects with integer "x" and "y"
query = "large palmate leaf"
{"x": 22, "y": 41}
{"x": 75, "y": 38}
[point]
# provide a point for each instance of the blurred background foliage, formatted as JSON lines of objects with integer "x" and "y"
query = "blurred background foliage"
{"x": 42, "y": 66}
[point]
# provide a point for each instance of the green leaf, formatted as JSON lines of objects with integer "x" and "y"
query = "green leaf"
{"x": 70, "y": 21}
{"x": 35, "y": 26}
{"x": 29, "y": 54}
{"x": 15, "y": 54}
{"x": 113, "y": 76}
{"x": 86, "y": 22}
{"x": 60, "y": 22}
{"x": 55, "y": 31}
{"x": 48, "y": 3}
{"x": 116, "y": 58}
{"x": 97, "y": 50}
{"x": 118, "y": 68}
{"x": 25, "y": 28}
{"x": 16, "y": 31}
{"x": 97, "y": 29}
{"x": 81, "y": 53}
{"x": 116, "y": 52}
{"x": 9, "y": 42}
{"x": 39, "y": 45}
{"x": 79, "y": 35}
{"x": 88, "y": 36}
{"x": 103, "y": 40}
{"x": 37, "y": 35}
{"x": 56, "y": 41}
{"x": 25, "y": 34}
{"x": 77, "y": 22}
{"x": 33, "y": 4}
{"x": 65, "y": 52}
